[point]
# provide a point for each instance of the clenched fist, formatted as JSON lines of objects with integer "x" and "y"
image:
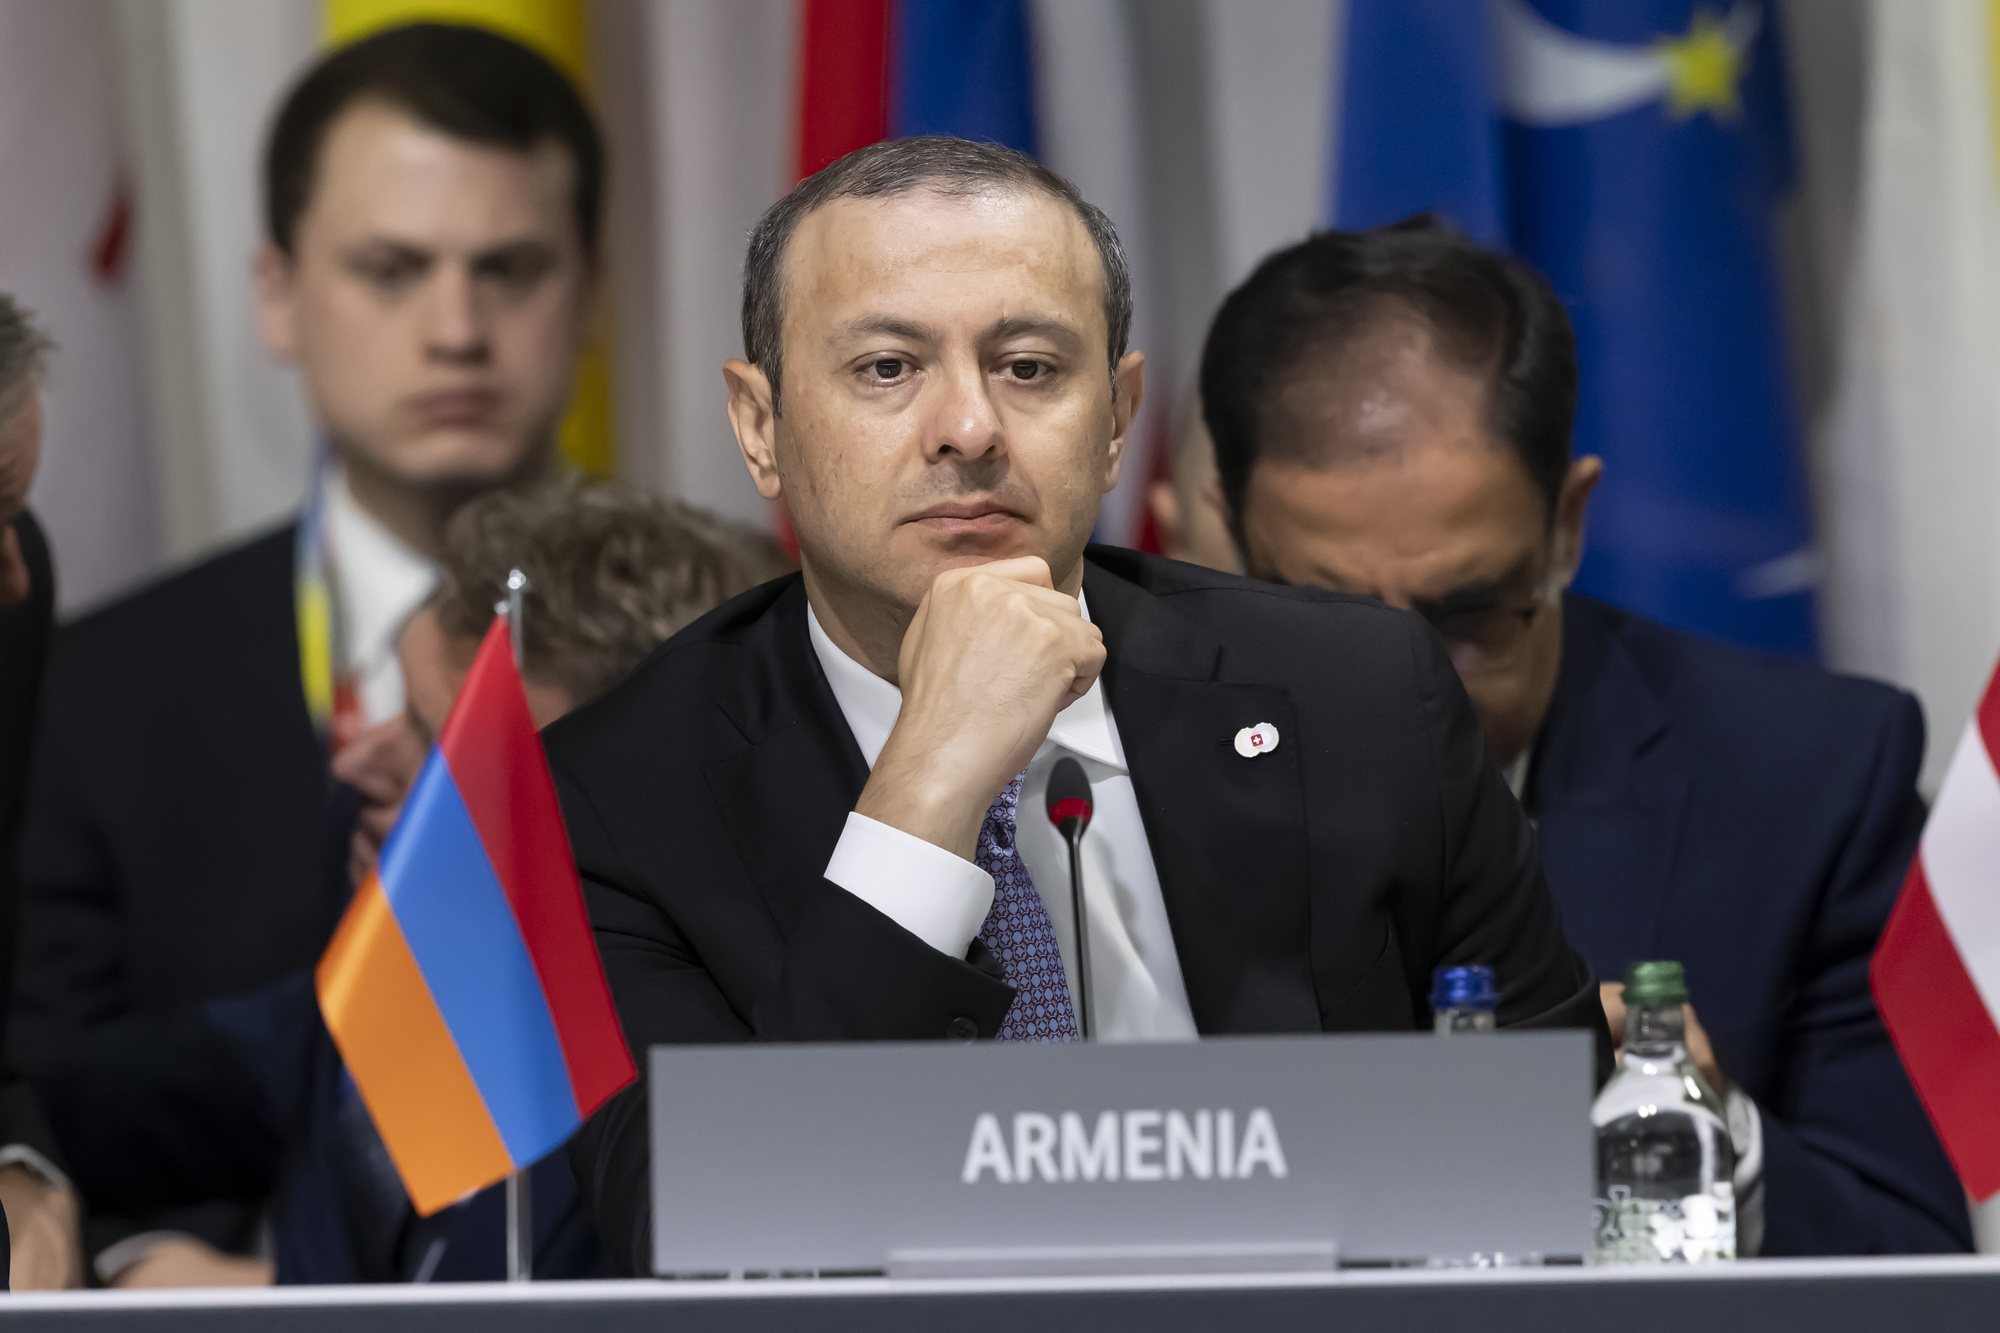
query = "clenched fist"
{"x": 992, "y": 655}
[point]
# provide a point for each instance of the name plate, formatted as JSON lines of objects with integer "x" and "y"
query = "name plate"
{"x": 1227, "y": 1153}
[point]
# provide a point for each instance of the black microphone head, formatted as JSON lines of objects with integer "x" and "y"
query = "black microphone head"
{"x": 1069, "y": 798}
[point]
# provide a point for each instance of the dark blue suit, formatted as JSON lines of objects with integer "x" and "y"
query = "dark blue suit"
{"x": 1754, "y": 818}
{"x": 331, "y": 1222}
{"x": 338, "y": 1212}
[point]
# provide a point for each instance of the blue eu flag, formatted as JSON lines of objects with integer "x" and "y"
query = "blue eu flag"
{"x": 1636, "y": 151}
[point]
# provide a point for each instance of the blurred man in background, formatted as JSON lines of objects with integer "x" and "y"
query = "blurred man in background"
{"x": 41, "y": 1208}
{"x": 1391, "y": 413}
{"x": 432, "y": 200}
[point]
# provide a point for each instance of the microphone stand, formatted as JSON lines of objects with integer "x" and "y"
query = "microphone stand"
{"x": 1070, "y": 808}
{"x": 1083, "y": 1023}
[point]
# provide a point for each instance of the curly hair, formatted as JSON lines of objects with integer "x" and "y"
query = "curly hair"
{"x": 24, "y": 350}
{"x": 611, "y": 575}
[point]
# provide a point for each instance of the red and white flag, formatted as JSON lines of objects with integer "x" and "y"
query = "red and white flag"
{"x": 1937, "y": 969}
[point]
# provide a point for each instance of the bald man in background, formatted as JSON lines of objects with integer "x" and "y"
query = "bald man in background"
{"x": 1392, "y": 416}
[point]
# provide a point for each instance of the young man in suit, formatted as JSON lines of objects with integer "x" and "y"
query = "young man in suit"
{"x": 1391, "y": 413}
{"x": 432, "y": 197}
{"x": 40, "y": 1204}
{"x": 815, "y": 815}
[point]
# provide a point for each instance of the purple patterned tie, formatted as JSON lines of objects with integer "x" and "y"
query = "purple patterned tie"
{"x": 1019, "y": 933}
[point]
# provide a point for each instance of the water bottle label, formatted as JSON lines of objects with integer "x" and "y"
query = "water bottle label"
{"x": 1693, "y": 1229}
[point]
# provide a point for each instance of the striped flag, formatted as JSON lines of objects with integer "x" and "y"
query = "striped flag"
{"x": 1937, "y": 969}
{"x": 463, "y": 987}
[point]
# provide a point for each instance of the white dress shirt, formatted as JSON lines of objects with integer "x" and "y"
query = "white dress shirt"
{"x": 1135, "y": 981}
{"x": 378, "y": 580}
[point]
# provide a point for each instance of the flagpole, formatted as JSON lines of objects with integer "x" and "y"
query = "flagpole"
{"x": 520, "y": 1208}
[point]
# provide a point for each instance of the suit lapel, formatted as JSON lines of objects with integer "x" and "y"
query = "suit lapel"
{"x": 785, "y": 796}
{"x": 1609, "y": 817}
{"x": 1227, "y": 833}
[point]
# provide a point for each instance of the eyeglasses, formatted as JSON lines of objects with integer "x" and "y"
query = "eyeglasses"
{"x": 1489, "y": 641}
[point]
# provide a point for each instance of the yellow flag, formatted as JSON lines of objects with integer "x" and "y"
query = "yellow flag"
{"x": 557, "y": 29}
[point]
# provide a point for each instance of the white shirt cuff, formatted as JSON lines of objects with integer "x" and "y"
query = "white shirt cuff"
{"x": 115, "y": 1258}
{"x": 940, "y": 898}
{"x": 1746, "y": 1134}
{"x": 20, "y": 1154}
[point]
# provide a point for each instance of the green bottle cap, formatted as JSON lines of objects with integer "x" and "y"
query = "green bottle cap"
{"x": 1657, "y": 983}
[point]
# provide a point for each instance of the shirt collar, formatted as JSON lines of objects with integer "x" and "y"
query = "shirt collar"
{"x": 378, "y": 579}
{"x": 871, "y": 704}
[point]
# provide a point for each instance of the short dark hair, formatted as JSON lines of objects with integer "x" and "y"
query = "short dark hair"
{"x": 1485, "y": 312}
{"x": 467, "y": 82}
{"x": 941, "y": 164}
{"x": 24, "y": 350}
{"x": 611, "y": 573}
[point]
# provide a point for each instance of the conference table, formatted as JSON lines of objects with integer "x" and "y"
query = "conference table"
{"x": 1827, "y": 1296}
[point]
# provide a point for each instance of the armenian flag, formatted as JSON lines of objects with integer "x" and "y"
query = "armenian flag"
{"x": 463, "y": 987}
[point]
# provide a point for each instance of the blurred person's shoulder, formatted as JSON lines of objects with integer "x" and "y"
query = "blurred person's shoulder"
{"x": 693, "y": 678}
{"x": 1274, "y": 631}
{"x": 207, "y": 611}
{"x": 1760, "y": 708}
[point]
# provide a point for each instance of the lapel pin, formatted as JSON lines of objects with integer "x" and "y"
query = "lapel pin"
{"x": 1253, "y": 741}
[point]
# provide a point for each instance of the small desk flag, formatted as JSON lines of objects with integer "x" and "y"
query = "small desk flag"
{"x": 463, "y": 987}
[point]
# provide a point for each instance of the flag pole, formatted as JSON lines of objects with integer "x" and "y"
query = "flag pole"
{"x": 520, "y": 1209}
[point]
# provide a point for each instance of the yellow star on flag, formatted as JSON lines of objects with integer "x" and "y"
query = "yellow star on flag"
{"x": 1703, "y": 69}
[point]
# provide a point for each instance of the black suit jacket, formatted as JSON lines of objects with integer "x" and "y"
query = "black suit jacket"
{"x": 1311, "y": 889}
{"x": 174, "y": 853}
{"x": 24, "y": 644}
{"x": 1754, "y": 818}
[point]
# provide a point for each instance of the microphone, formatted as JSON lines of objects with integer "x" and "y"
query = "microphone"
{"x": 1069, "y": 807}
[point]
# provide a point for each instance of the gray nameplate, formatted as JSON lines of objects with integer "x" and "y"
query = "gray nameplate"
{"x": 1267, "y": 1152}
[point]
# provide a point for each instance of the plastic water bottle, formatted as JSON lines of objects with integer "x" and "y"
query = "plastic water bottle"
{"x": 1462, "y": 1004}
{"x": 1664, "y": 1161}
{"x": 1463, "y": 1000}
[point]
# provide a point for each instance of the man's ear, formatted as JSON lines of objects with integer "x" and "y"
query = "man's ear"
{"x": 271, "y": 270}
{"x": 1128, "y": 387}
{"x": 754, "y": 418}
{"x": 1572, "y": 505}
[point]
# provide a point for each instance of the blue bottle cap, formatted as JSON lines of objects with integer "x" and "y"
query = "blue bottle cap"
{"x": 1466, "y": 987}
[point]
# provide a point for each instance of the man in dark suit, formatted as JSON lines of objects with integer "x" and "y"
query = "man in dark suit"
{"x": 40, "y": 1205}
{"x": 432, "y": 200}
{"x": 1391, "y": 413}
{"x": 807, "y": 816}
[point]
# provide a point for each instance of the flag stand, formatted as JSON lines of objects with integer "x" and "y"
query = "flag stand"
{"x": 520, "y": 1229}
{"x": 520, "y": 1208}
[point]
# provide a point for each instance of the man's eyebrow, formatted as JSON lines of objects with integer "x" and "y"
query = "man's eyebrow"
{"x": 519, "y": 245}
{"x": 884, "y": 326}
{"x": 1035, "y": 326}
